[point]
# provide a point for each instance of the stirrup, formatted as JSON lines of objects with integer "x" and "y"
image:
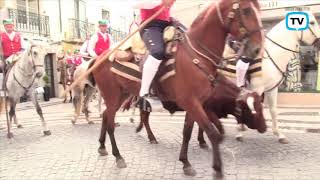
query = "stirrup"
{"x": 149, "y": 103}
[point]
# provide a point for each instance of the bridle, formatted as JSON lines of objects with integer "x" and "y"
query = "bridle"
{"x": 33, "y": 73}
{"x": 243, "y": 30}
{"x": 226, "y": 25}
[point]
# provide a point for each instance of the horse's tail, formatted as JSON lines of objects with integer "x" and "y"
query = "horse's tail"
{"x": 127, "y": 103}
{"x": 90, "y": 76}
{"x": 1, "y": 104}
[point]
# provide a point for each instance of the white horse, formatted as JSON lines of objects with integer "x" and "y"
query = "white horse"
{"x": 82, "y": 93}
{"x": 23, "y": 79}
{"x": 281, "y": 46}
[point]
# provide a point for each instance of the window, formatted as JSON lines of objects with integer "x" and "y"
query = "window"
{"x": 105, "y": 14}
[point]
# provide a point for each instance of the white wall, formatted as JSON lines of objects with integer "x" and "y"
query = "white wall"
{"x": 51, "y": 9}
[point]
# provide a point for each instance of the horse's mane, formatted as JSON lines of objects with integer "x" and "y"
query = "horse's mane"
{"x": 203, "y": 15}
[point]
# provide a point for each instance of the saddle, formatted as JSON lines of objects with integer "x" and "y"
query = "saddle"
{"x": 128, "y": 60}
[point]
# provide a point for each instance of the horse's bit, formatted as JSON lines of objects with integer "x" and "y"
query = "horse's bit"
{"x": 236, "y": 11}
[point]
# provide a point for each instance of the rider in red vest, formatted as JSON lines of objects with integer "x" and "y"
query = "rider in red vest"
{"x": 101, "y": 40}
{"x": 77, "y": 58}
{"x": 11, "y": 41}
{"x": 152, "y": 36}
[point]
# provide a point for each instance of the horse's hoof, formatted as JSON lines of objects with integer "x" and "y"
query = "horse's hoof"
{"x": 102, "y": 151}
{"x": 116, "y": 124}
{"x": 47, "y": 133}
{"x": 242, "y": 128}
{"x": 218, "y": 176}
{"x": 283, "y": 141}
{"x": 64, "y": 101}
{"x": 10, "y": 135}
{"x": 154, "y": 142}
{"x": 90, "y": 122}
{"x": 73, "y": 122}
{"x": 19, "y": 126}
{"x": 204, "y": 146}
{"x": 131, "y": 120}
{"x": 121, "y": 163}
{"x": 189, "y": 171}
{"x": 138, "y": 129}
{"x": 239, "y": 138}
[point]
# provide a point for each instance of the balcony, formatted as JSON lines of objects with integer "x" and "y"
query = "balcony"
{"x": 117, "y": 35}
{"x": 28, "y": 22}
{"x": 78, "y": 30}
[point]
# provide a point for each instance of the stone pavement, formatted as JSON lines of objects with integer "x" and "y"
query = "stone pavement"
{"x": 71, "y": 151}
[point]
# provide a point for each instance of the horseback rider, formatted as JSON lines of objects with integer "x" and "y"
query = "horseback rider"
{"x": 11, "y": 41}
{"x": 152, "y": 35}
{"x": 242, "y": 65}
{"x": 77, "y": 58}
{"x": 100, "y": 41}
{"x": 85, "y": 47}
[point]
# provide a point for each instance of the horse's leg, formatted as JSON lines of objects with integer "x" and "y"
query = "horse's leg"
{"x": 187, "y": 131}
{"x": 202, "y": 143}
{"x": 35, "y": 102}
{"x": 272, "y": 102}
{"x": 89, "y": 91}
{"x": 102, "y": 149}
{"x": 140, "y": 126}
{"x": 77, "y": 98}
{"x": 110, "y": 128}
{"x": 197, "y": 113}
{"x": 218, "y": 124}
{"x": 144, "y": 117}
{"x": 12, "y": 114}
{"x": 65, "y": 95}
{"x": 70, "y": 94}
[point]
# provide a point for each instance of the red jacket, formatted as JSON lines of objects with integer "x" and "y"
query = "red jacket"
{"x": 77, "y": 60}
{"x": 10, "y": 47}
{"x": 146, "y": 13}
{"x": 101, "y": 44}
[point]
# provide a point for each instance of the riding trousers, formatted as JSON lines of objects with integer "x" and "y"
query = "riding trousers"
{"x": 152, "y": 35}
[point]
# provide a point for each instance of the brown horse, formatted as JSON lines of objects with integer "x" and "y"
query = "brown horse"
{"x": 66, "y": 75}
{"x": 196, "y": 73}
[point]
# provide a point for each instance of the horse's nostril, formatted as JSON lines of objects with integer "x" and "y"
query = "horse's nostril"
{"x": 257, "y": 51}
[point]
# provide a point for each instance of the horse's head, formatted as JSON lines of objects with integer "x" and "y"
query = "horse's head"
{"x": 249, "y": 111}
{"x": 241, "y": 19}
{"x": 36, "y": 56}
{"x": 310, "y": 36}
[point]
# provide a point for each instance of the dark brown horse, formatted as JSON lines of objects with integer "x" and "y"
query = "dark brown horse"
{"x": 196, "y": 73}
{"x": 66, "y": 75}
{"x": 226, "y": 99}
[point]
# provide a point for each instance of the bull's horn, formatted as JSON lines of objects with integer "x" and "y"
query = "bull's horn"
{"x": 250, "y": 101}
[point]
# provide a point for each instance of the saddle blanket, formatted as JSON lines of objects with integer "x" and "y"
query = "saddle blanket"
{"x": 254, "y": 70}
{"x": 133, "y": 72}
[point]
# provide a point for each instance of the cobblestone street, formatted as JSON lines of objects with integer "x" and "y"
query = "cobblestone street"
{"x": 71, "y": 151}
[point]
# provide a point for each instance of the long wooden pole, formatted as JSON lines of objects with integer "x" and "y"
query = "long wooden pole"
{"x": 4, "y": 89}
{"x": 105, "y": 57}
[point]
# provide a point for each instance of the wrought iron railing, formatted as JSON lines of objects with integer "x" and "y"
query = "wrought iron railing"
{"x": 117, "y": 35}
{"x": 28, "y": 22}
{"x": 78, "y": 29}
